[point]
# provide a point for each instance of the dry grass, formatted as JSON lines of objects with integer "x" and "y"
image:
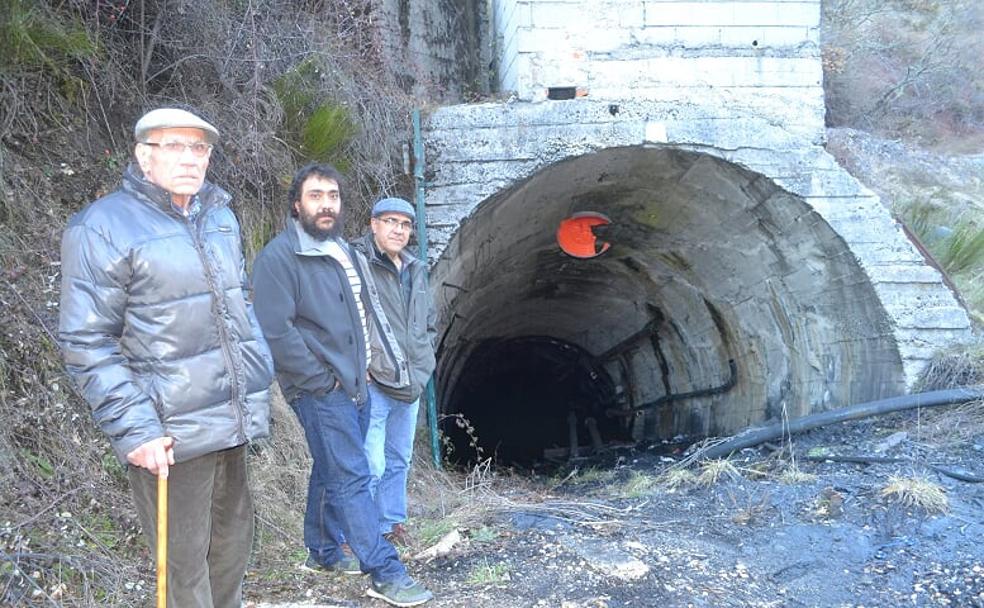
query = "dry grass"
{"x": 958, "y": 367}
{"x": 713, "y": 471}
{"x": 279, "y": 470}
{"x": 593, "y": 475}
{"x": 949, "y": 426}
{"x": 753, "y": 512}
{"x": 677, "y": 479}
{"x": 793, "y": 475}
{"x": 917, "y": 492}
{"x": 639, "y": 485}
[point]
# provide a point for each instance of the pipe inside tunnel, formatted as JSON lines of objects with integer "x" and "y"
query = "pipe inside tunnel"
{"x": 723, "y": 301}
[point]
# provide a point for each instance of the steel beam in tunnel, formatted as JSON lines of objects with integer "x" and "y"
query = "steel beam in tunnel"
{"x": 727, "y": 265}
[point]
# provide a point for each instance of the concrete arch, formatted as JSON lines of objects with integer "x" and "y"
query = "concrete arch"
{"x": 701, "y": 133}
{"x": 720, "y": 261}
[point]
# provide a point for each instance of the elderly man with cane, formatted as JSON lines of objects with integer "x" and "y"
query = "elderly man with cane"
{"x": 157, "y": 332}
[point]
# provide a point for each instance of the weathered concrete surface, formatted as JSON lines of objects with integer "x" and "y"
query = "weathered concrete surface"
{"x": 731, "y": 223}
{"x": 437, "y": 50}
{"x": 604, "y": 47}
{"x": 828, "y": 301}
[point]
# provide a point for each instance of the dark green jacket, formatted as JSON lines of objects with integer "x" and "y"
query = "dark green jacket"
{"x": 412, "y": 325}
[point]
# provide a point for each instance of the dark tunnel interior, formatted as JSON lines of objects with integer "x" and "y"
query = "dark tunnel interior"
{"x": 722, "y": 301}
{"x": 529, "y": 395}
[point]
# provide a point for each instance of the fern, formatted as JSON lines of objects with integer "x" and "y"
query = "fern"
{"x": 316, "y": 129}
{"x": 31, "y": 39}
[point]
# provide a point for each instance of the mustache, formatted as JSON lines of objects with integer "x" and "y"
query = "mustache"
{"x": 327, "y": 213}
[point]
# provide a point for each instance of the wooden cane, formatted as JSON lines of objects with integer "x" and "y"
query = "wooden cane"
{"x": 161, "y": 541}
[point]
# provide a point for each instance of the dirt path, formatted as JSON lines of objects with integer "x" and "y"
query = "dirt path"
{"x": 615, "y": 537}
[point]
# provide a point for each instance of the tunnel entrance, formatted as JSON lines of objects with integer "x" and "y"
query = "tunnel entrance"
{"x": 723, "y": 301}
{"x": 529, "y": 394}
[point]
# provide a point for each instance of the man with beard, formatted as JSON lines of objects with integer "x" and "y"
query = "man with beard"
{"x": 320, "y": 313}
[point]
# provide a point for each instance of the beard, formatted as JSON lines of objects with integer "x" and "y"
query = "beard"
{"x": 309, "y": 222}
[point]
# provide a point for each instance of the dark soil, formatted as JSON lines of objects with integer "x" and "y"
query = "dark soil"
{"x": 750, "y": 540}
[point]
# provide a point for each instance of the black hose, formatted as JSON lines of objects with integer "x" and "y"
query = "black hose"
{"x": 755, "y": 436}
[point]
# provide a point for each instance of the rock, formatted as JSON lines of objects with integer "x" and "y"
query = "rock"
{"x": 441, "y": 547}
{"x": 891, "y": 441}
{"x": 607, "y": 560}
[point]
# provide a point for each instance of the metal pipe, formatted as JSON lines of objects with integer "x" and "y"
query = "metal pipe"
{"x": 715, "y": 390}
{"x": 627, "y": 343}
{"x": 572, "y": 435}
{"x": 756, "y": 436}
{"x": 418, "y": 178}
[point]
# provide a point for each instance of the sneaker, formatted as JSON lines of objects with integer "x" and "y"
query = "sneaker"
{"x": 347, "y": 565}
{"x": 404, "y": 592}
{"x": 398, "y": 536}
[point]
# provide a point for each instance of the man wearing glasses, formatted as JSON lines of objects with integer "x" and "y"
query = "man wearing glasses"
{"x": 158, "y": 334}
{"x": 320, "y": 312}
{"x": 403, "y": 291}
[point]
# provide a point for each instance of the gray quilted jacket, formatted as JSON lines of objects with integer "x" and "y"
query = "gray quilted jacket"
{"x": 154, "y": 322}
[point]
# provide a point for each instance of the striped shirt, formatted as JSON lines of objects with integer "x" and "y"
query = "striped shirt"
{"x": 331, "y": 247}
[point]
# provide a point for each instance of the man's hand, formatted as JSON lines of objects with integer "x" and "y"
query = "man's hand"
{"x": 155, "y": 456}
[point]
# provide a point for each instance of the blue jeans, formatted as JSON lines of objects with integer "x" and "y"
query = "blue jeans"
{"x": 338, "y": 490}
{"x": 389, "y": 447}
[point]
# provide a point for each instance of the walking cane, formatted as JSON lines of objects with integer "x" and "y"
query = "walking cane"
{"x": 161, "y": 541}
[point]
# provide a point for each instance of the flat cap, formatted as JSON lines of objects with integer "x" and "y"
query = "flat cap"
{"x": 393, "y": 205}
{"x": 172, "y": 118}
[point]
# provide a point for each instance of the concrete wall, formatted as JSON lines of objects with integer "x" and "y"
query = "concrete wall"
{"x": 617, "y": 49}
{"x": 698, "y": 127}
{"x": 438, "y": 50}
{"x": 476, "y": 153}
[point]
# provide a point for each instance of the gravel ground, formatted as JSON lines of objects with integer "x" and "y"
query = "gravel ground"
{"x": 613, "y": 535}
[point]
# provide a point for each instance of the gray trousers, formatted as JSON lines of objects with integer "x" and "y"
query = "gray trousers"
{"x": 210, "y": 527}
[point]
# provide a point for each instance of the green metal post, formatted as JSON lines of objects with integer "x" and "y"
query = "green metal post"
{"x": 418, "y": 177}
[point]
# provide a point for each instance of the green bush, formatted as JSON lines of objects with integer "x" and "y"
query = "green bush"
{"x": 963, "y": 250}
{"x": 316, "y": 129}
{"x": 956, "y": 243}
{"x": 327, "y": 131}
{"x": 31, "y": 39}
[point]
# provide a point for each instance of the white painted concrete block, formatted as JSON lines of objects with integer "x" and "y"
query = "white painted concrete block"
{"x": 656, "y": 132}
{"x": 559, "y": 69}
{"x": 706, "y": 71}
{"x": 741, "y": 37}
{"x": 671, "y": 13}
{"x": 558, "y": 15}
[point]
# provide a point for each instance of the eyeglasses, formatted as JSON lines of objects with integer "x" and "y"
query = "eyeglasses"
{"x": 177, "y": 148}
{"x": 392, "y": 222}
